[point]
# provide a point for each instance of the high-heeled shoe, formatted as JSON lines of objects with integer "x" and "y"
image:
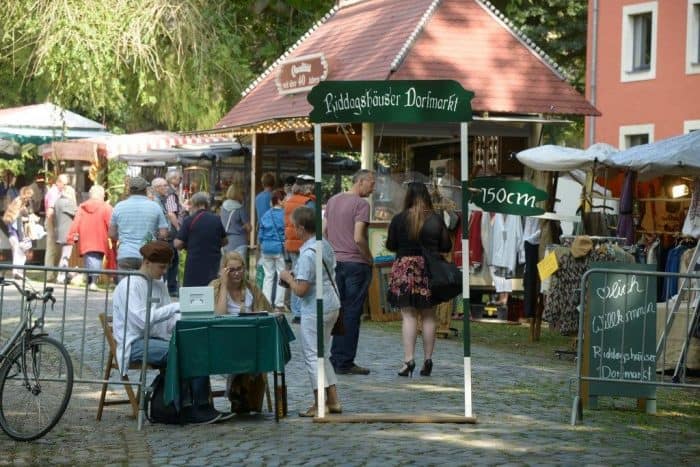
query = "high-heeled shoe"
{"x": 427, "y": 368}
{"x": 408, "y": 368}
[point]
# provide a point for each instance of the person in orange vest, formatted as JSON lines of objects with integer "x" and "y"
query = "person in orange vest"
{"x": 302, "y": 195}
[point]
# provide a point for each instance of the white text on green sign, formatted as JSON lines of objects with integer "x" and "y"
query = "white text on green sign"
{"x": 507, "y": 196}
{"x": 390, "y": 101}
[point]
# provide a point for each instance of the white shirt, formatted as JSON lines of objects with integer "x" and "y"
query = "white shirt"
{"x": 234, "y": 308}
{"x": 163, "y": 315}
{"x": 506, "y": 240}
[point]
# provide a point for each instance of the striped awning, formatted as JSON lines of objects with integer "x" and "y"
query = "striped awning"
{"x": 112, "y": 146}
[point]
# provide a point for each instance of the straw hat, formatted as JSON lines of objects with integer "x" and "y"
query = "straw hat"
{"x": 581, "y": 246}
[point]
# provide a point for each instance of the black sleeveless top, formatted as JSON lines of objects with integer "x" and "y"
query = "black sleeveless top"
{"x": 433, "y": 236}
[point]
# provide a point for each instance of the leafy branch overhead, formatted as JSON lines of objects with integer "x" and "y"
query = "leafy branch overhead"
{"x": 138, "y": 65}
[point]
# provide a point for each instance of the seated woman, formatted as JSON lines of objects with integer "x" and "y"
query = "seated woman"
{"x": 234, "y": 294}
{"x": 129, "y": 324}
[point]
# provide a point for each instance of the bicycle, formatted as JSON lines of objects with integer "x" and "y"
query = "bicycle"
{"x": 36, "y": 373}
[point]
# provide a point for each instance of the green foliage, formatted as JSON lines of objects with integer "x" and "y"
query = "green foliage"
{"x": 147, "y": 64}
{"x": 21, "y": 164}
{"x": 559, "y": 27}
{"x": 116, "y": 175}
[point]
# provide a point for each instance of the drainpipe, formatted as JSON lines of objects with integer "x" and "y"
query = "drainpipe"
{"x": 594, "y": 72}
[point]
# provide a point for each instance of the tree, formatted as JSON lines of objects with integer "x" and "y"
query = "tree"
{"x": 144, "y": 64}
{"x": 559, "y": 28}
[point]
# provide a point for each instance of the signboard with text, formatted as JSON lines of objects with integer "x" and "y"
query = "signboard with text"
{"x": 507, "y": 196}
{"x": 620, "y": 330}
{"x": 390, "y": 101}
{"x": 300, "y": 74}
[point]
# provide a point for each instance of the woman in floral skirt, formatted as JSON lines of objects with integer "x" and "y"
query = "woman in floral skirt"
{"x": 415, "y": 228}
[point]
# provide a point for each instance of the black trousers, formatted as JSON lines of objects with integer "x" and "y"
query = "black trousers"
{"x": 531, "y": 279}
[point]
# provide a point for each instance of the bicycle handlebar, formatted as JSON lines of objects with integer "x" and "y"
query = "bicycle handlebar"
{"x": 31, "y": 295}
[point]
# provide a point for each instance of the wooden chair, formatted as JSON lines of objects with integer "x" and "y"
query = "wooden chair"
{"x": 111, "y": 364}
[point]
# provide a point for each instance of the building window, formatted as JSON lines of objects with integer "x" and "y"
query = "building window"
{"x": 639, "y": 30}
{"x": 692, "y": 54}
{"x": 641, "y": 42}
{"x": 634, "y": 135}
{"x": 691, "y": 125}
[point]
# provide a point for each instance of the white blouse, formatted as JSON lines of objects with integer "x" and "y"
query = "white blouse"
{"x": 234, "y": 308}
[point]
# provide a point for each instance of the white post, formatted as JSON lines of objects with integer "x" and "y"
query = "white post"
{"x": 320, "y": 368}
{"x": 253, "y": 214}
{"x": 466, "y": 307}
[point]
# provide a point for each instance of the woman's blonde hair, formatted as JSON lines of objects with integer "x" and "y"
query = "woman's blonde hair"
{"x": 235, "y": 256}
{"x": 13, "y": 209}
{"x": 235, "y": 192}
{"x": 419, "y": 207}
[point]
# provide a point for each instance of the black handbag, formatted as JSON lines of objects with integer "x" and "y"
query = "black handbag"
{"x": 444, "y": 277}
{"x": 156, "y": 410}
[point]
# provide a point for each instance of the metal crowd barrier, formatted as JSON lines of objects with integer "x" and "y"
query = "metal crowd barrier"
{"x": 74, "y": 320}
{"x": 628, "y": 343}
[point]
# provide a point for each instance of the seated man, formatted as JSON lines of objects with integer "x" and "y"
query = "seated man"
{"x": 130, "y": 342}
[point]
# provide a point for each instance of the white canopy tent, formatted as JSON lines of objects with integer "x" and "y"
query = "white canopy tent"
{"x": 679, "y": 155}
{"x": 553, "y": 158}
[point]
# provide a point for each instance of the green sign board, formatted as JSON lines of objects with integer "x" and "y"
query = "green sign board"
{"x": 620, "y": 338}
{"x": 507, "y": 196}
{"x": 390, "y": 101}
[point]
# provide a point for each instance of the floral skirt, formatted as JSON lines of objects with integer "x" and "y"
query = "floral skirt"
{"x": 408, "y": 283}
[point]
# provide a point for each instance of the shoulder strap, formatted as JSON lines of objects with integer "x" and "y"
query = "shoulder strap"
{"x": 196, "y": 218}
{"x": 228, "y": 223}
{"x": 328, "y": 271}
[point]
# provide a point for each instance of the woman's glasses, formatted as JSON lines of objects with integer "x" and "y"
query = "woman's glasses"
{"x": 236, "y": 270}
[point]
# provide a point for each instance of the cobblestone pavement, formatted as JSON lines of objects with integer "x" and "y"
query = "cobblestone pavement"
{"x": 522, "y": 404}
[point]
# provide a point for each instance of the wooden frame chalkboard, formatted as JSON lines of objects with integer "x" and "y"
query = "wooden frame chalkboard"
{"x": 619, "y": 332}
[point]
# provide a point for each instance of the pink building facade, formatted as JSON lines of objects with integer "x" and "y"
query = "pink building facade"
{"x": 643, "y": 70}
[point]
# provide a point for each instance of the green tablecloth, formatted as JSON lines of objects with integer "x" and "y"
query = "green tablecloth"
{"x": 224, "y": 345}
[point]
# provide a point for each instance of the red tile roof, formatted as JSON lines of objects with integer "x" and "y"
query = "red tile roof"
{"x": 461, "y": 40}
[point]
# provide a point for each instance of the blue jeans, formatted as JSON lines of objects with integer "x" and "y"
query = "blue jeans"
{"x": 353, "y": 281}
{"x": 157, "y": 352}
{"x": 93, "y": 260}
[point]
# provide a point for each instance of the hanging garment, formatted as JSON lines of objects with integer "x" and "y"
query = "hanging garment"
{"x": 486, "y": 232}
{"x": 476, "y": 251}
{"x": 561, "y": 304}
{"x": 691, "y": 224}
{"x": 506, "y": 241}
{"x": 673, "y": 263}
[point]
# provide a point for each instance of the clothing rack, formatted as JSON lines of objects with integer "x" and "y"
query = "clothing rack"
{"x": 567, "y": 239}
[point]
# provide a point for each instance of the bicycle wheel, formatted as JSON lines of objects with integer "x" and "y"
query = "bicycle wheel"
{"x": 35, "y": 387}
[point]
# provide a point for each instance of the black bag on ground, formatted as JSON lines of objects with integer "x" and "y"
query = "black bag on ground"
{"x": 156, "y": 410}
{"x": 444, "y": 277}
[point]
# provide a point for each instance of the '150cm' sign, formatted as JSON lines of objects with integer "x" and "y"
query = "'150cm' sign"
{"x": 507, "y": 196}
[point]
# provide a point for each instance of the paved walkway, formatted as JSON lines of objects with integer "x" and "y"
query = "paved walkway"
{"x": 522, "y": 404}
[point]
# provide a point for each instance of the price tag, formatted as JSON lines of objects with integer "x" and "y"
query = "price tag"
{"x": 548, "y": 266}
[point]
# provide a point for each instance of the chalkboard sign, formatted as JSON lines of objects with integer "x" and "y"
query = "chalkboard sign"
{"x": 620, "y": 330}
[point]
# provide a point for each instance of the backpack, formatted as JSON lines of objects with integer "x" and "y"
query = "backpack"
{"x": 156, "y": 410}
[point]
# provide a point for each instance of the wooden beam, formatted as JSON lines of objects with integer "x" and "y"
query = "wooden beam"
{"x": 395, "y": 418}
